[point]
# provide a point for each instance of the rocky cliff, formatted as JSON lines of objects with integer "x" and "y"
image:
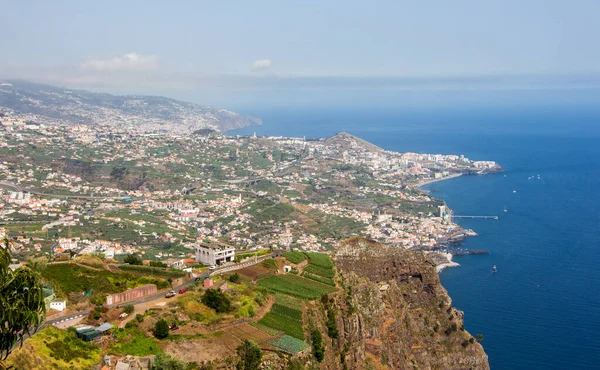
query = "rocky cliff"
{"x": 393, "y": 313}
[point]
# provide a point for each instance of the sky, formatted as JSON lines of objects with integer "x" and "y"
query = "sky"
{"x": 262, "y": 52}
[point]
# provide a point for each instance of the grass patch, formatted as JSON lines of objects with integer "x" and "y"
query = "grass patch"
{"x": 70, "y": 278}
{"x": 135, "y": 343}
{"x": 52, "y": 348}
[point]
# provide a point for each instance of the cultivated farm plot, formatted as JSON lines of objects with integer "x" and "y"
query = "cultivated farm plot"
{"x": 295, "y": 256}
{"x": 296, "y": 286}
{"x": 321, "y": 271}
{"x": 318, "y": 278}
{"x": 289, "y": 344}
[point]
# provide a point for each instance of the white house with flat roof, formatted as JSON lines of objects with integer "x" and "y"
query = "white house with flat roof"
{"x": 214, "y": 253}
{"x": 58, "y": 304}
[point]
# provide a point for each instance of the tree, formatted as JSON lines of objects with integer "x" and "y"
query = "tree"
{"x": 164, "y": 362}
{"x": 161, "y": 329}
{"x": 22, "y": 302}
{"x": 37, "y": 263}
{"x": 332, "y": 329}
{"x": 479, "y": 337}
{"x": 217, "y": 300}
{"x": 234, "y": 278}
{"x": 250, "y": 355}
{"x": 318, "y": 349}
{"x": 129, "y": 308}
{"x": 132, "y": 259}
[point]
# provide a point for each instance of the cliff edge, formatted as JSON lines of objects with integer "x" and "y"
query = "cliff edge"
{"x": 393, "y": 313}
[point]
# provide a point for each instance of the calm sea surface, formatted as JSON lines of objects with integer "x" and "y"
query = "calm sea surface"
{"x": 541, "y": 310}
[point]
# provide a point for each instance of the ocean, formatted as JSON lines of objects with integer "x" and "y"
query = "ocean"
{"x": 541, "y": 310}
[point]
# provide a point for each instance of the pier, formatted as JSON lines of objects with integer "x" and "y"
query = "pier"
{"x": 485, "y": 217}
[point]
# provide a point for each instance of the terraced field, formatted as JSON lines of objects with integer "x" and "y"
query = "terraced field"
{"x": 296, "y": 286}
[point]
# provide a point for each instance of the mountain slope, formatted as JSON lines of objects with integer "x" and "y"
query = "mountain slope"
{"x": 56, "y": 105}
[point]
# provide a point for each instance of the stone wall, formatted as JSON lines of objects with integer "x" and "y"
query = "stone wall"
{"x": 131, "y": 294}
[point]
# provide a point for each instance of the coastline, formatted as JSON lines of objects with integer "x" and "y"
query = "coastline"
{"x": 431, "y": 181}
{"x": 444, "y": 265}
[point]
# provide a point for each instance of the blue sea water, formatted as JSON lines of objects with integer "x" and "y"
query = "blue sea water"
{"x": 541, "y": 310}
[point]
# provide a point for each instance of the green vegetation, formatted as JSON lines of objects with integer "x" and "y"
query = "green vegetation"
{"x": 318, "y": 349}
{"x": 285, "y": 319}
{"x": 164, "y": 362}
{"x": 154, "y": 271}
{"x": 318, "y": 278}
{"x": 319, "y": 259}
{"x": 129, "y": 308}
{"x": 332, "y": 329}
{"x": 131, "y": 341}
{"x": 289, "y": 344}
{"x": 132, "y": 259}
{"x": 71, "y": 278}
{"x": 217, "y": 300}
{"x": 321, "y": 271}
{"x": 235, "y": 278}
{"x": 295, "y": 286}
{"x": 250, "y": 355}
{"x": 22, "y": 302}
{"x": 161, "y": 329}
{"x": 295, "y": 256}
{"x": 53, "y": 348}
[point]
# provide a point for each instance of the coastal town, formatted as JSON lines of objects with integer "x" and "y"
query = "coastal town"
{"x": 153, "y": 241}
{"x": 81, "y": 189}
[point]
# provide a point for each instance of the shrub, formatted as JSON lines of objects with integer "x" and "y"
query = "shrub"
{"x": 318, "y": 350}
{"x": 129, "y": 308}
{"x": 164, "y": 362}
{"x": 161, "y": 329}
{"x": 250, "y": 355}
{"x": 139, "y": 318}
{"x": 234, "y": 278}
{"x": 332, "y": 329}
{"x": 479, "y": 337}
{"x": 216, "y": 300}
{"x": 132, "y": 259}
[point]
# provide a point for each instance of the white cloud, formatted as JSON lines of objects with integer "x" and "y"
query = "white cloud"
{"x": 261, "y": 64}
{"x": 126, "y": 62}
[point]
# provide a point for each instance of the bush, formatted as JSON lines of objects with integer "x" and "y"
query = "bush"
{"x": 318, "y": 349}
{"x": 332, "y": 329}
{"x": 479, "y": 337}
{"x": 132, "y": 259}
{"x": 234, "y": 278}
{"x": 161, "y": 329}
{"x": 139, "y": 318}
{"x": 250, "y": 355}
{"x": 164, "y": 362}
{"x": 217, "y": 300}
{"x": 129, "y": 309}
{"x": 157, "y": 264}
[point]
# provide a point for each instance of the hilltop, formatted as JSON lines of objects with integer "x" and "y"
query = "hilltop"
{"x": 58, "y": 105}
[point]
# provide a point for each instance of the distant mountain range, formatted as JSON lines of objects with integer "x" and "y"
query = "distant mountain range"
{"x": 57, "y": 105}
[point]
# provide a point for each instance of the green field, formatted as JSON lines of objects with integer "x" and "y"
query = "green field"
{"x": 295, "y": 256}
{"x": 321, "y": 271}
{"x": 289, "y": 344}
{"x": 154, "y": 271}
{"x": 319, "y": 259}
{"x": 320, "y": 279}
{"x": 71, "y": 278}
{"x": 295, "y": 286}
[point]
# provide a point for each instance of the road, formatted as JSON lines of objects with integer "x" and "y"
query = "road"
{"x": 155, "y": 296}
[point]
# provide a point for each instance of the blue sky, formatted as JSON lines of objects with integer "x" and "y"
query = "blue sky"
{"x": 245, "y": 51}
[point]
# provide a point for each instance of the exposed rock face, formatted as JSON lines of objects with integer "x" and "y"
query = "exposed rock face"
{"x": 394, "y": 313}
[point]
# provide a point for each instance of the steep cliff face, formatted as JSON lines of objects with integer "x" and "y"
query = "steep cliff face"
{"x": 393, "y": 313}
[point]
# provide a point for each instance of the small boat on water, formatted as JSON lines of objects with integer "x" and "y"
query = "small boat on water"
{"x": 494, "y": 269}
{"x": 514, "y": 191}
{"x": 505, "y": 210}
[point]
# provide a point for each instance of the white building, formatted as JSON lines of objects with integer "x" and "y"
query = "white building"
{"x": 58, "y": 304}
{"x": 214, "y": 253}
